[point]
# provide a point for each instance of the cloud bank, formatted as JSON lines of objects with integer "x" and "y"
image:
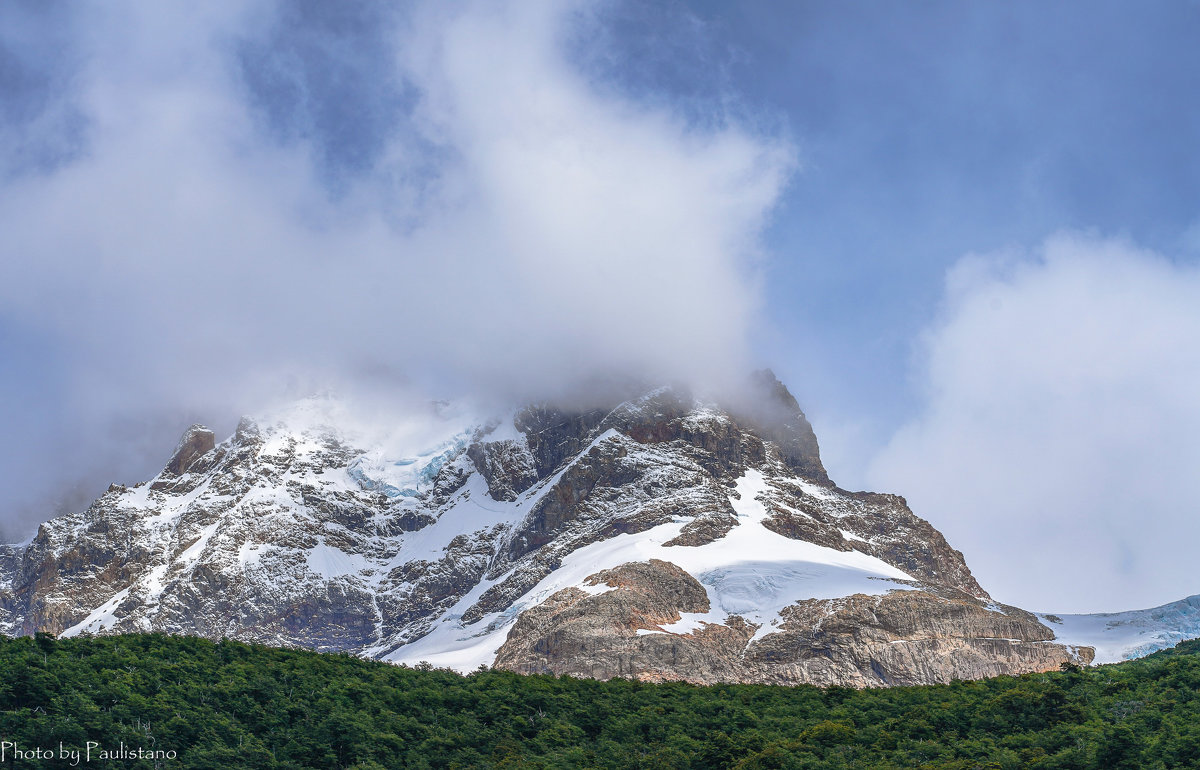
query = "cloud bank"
{"x": 1060, "y": 435}
{"x": 230, "y": 198}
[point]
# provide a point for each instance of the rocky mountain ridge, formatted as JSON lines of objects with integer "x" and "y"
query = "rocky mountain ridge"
{"x": 662, "y": 537}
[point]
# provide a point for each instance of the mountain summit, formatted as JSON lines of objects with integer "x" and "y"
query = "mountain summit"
{"x": 665, "y": 537}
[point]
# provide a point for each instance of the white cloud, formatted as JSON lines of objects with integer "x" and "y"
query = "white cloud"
{"x": 1060, "y": 436}
{"x": 187, "y": 256}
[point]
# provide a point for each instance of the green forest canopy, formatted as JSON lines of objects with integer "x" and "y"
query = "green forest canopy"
{"x": 232, "y": 705}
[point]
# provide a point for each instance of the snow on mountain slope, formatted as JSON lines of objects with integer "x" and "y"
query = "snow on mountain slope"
{"x": 752, "y": 572}
{"x": 1121, "y": 636}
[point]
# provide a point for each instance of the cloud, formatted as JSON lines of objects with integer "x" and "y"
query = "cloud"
{"x": 1060, "y": 433}
{"x": 258, "y": 194}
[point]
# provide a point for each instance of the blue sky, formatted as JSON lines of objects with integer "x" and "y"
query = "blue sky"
{"x": 929, "y": 130}
{"x": 965, "y": 235}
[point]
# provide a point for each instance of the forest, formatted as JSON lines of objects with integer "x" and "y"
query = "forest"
{"x": 152, "y": 700}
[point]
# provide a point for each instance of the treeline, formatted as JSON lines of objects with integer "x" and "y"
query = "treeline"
{"x": 233, "y": 705}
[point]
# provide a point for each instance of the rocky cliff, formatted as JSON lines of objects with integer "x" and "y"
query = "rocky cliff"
{"x": 662, "y": 537}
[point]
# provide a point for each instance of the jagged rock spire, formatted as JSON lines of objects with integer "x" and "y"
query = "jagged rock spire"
{"x": 196, "y": 442}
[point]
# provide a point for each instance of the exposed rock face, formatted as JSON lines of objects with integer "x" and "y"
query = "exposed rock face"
{"x": 597, "y": 635}
{"x": 777, "y": 418}
{"x": 899, "y": 638}
{"x": 906, "y": 638}
{"x": 197, "y": 441}
{"x": 663, "y": 537}
{"x": 507, "y": 466}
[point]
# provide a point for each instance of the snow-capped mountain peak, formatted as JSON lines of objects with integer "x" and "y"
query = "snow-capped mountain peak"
{"x": 663, "y": 536}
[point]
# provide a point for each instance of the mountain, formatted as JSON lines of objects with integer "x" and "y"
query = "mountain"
{"x": 665, "y": 537}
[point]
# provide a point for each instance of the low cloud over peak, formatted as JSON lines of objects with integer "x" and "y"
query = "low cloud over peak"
{"x": 486, "y": 218}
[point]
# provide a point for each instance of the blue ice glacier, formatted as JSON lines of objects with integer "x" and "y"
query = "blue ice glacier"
{"x": 407, "y": 476}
